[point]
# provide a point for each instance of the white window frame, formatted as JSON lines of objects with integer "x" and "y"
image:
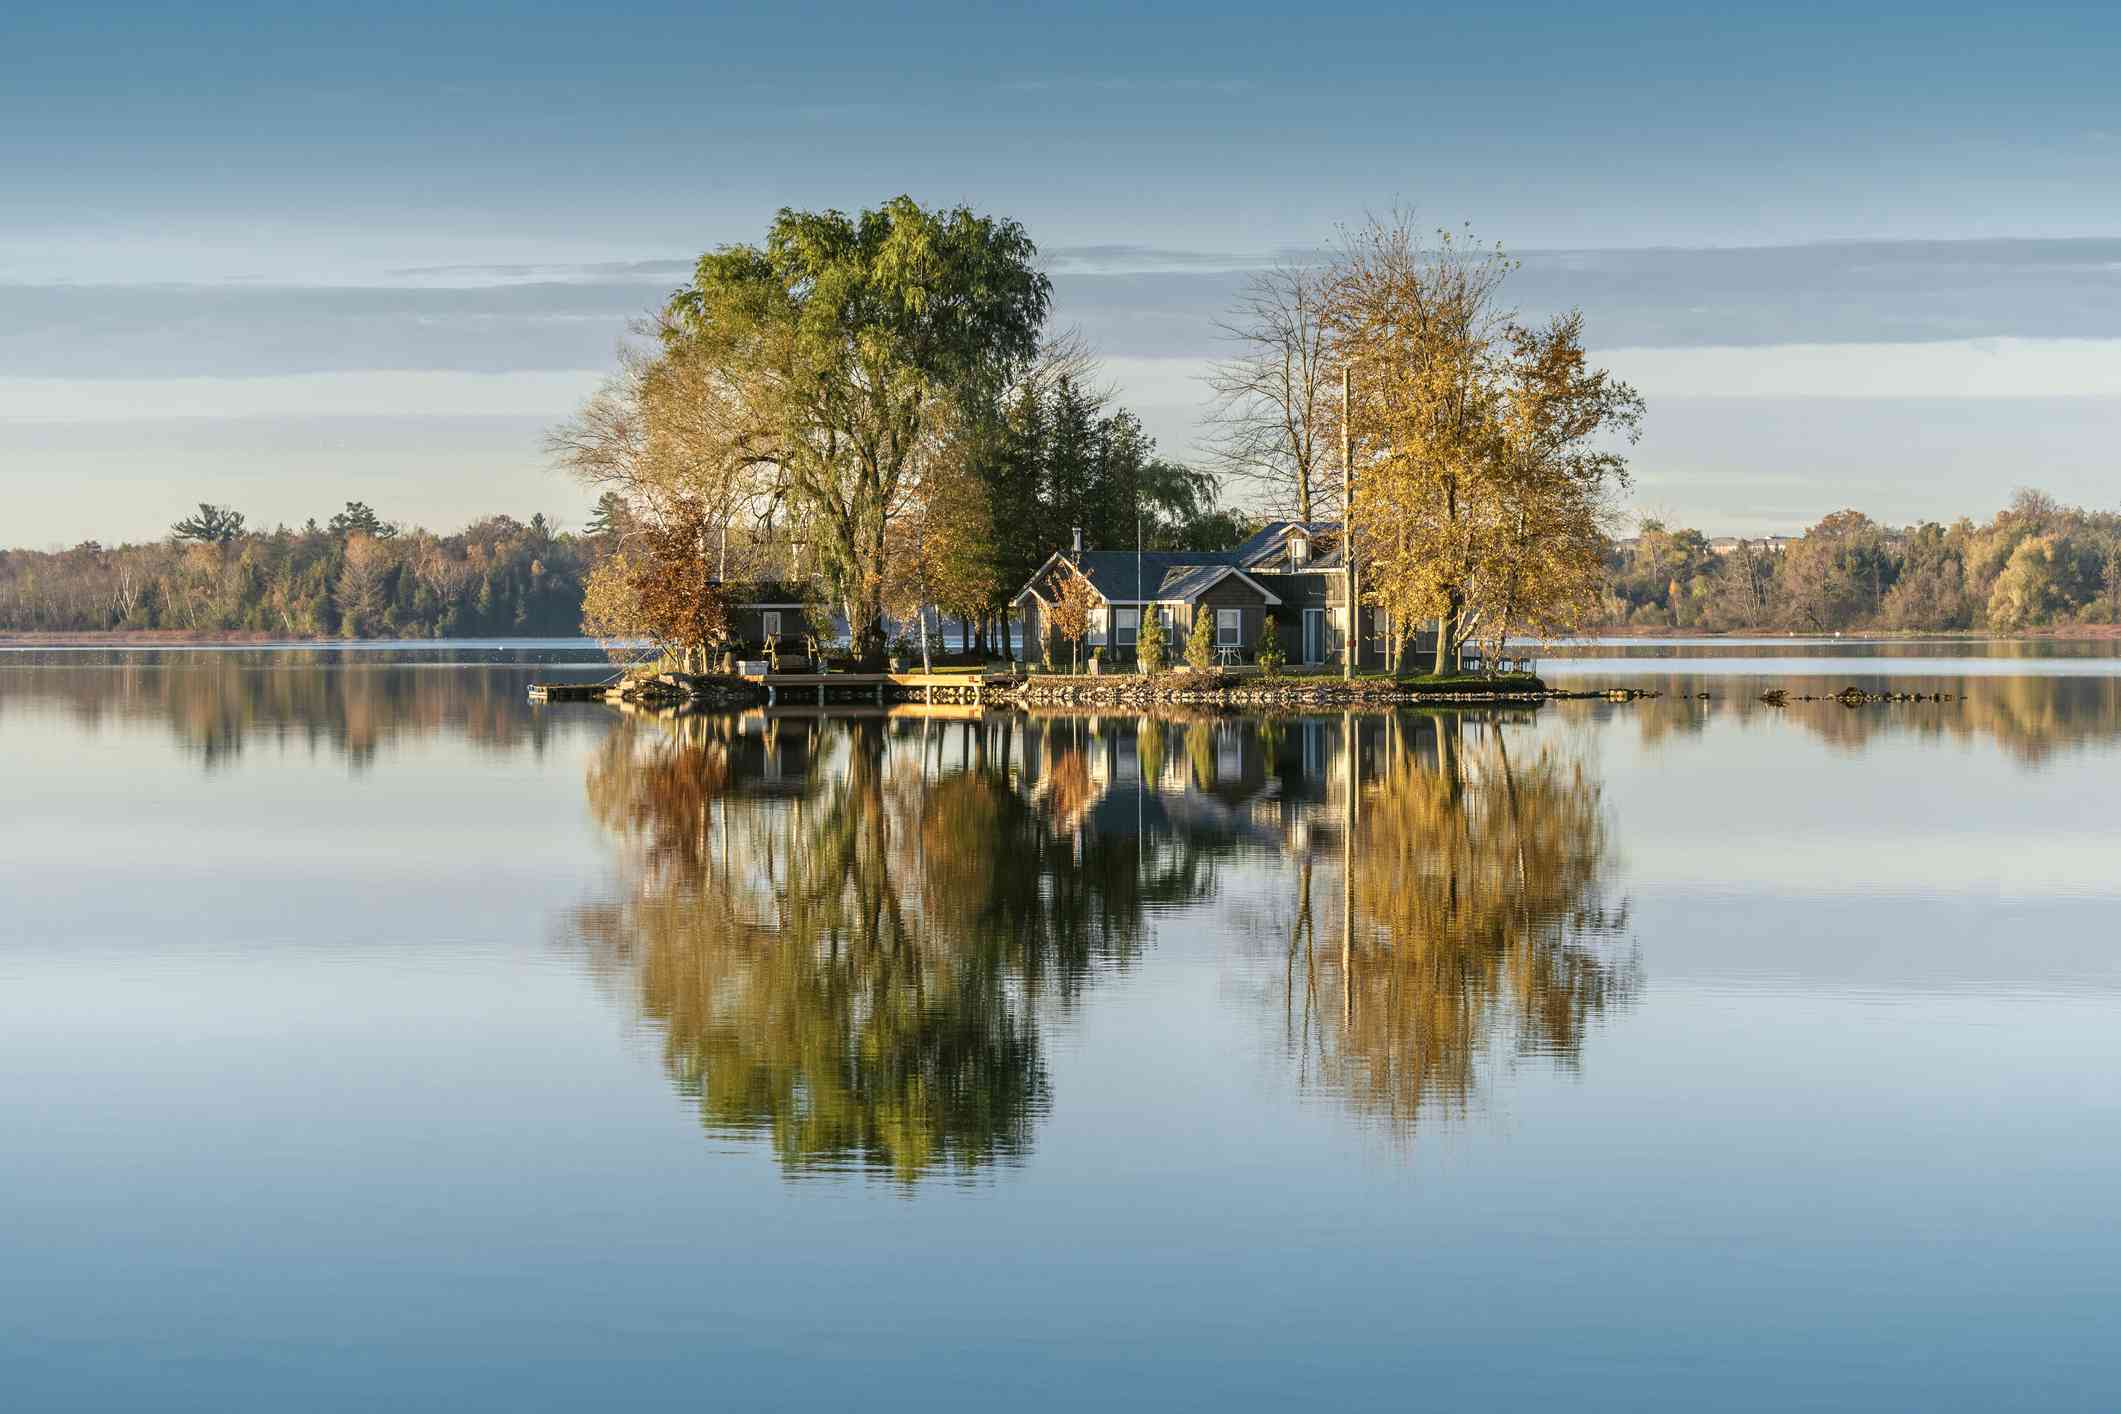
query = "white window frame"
{"x": 769, "y": 624}
{"x": 1126, "y": 626}
{"x": 1235, "y": 618}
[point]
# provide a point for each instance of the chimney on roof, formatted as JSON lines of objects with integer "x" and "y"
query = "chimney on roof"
{"x": 1078, "y": 540}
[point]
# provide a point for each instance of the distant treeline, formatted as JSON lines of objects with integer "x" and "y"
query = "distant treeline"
{"x": 2036, "y": 564}
{"x": 355, "y": 577}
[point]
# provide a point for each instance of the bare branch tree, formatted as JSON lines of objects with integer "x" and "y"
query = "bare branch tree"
{"x": 1273, "y": 407}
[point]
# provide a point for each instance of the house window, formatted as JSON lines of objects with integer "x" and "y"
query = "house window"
{"x": 1126, "y": 625}
{"x": 1229, "y": 628}
{"x": 770, "y": 623}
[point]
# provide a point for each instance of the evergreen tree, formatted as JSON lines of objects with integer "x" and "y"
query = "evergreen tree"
{"x": 213, "y": 525}
{"x": 1200, "y": 643}
{"x": 359, "y": 518}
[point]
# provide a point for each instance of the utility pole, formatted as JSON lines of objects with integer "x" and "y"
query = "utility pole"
{"x": 1353, "y": 646}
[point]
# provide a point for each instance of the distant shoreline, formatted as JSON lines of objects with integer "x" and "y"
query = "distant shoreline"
{"x": 1872, "y": 635}
{"x": 182, "y": 638}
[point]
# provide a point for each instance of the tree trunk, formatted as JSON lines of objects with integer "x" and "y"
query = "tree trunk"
{"x": 1447, "y": 633}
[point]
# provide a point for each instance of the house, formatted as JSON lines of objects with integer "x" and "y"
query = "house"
{"x": 1291, "y": 571}
{"x": 762, "y": 609}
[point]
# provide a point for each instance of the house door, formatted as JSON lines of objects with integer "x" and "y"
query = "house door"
{"x": 1314, "y": 635}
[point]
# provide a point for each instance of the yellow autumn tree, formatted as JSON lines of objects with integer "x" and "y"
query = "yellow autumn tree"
{"x": 1416, "y": 327}
{"x": 1482, "y": 448}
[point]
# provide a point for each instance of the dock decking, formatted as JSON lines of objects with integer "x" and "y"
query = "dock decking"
{"x": 934, "y": 689}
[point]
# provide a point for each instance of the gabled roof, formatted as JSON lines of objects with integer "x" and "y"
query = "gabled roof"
{"x": 1127, "y": 576}
{"x": 1122, "y": 574}
{"x": 1271, "y": 542}
{"x": 1189, "y": 582}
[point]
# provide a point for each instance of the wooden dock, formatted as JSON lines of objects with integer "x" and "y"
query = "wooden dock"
{"x": 959, "y": 689}
{"x": 962, "y": 688}
{"x": 569, "y": 691}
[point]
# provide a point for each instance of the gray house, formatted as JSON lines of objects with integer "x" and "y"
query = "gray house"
{"x": 1290, "y": 571}
{"x": 760, "y": 609}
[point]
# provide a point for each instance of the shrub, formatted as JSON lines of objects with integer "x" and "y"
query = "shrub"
{"x": 1149, "y": 646}
{"x": 1270, "y": 656}
{"x": 1200, "y": 643}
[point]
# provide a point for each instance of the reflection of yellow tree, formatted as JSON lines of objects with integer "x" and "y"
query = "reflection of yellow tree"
{"x": 1478, "y": 908}
{"x": 853, "y": 968}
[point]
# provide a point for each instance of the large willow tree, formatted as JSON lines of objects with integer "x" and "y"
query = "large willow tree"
{"x": 834, "y": 362}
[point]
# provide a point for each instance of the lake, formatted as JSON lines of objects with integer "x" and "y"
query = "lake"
{"x": 371, "y": 1038}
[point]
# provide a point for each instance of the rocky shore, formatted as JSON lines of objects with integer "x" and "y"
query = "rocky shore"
{"x": 1175, "y": 689}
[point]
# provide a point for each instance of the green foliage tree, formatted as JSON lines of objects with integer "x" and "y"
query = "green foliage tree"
{"x": 838, "y": 360}
{"x": 211, "y": 525}
{"x": 1150, "y": 647}
{"x": 1200, "y": 640}
{"x": 611, "y": 517}
{"x": 1269, "y": 654}
{"x": 359, "y": 518}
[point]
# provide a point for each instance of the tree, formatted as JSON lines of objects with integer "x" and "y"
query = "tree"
{"x": 1547, "y": 493}
{"x": 1483, "y": 457}
{"x": 2032, "y": 585}
{"x": 833, "y": 362}
{"x": 1150, "y": 649}
{"x": 363, "y": 595}
{"x": 662, "y": 588}
{"x": 612, "y": 516}
{"x": 1837, "y": 575}
{"x": 1200, "y": 640}
{"x": 212, "y": 525}
{"x": 1069, "y": 615}
{"x": 946, "y": 554}
{"x": 1269, "y": 655}
{"x": 360, "y": 519}
{"x": 1273, "y": 413}
{"x": 1418, "y": 327}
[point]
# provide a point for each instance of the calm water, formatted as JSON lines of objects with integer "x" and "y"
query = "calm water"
{"x": 372, "y": 1039}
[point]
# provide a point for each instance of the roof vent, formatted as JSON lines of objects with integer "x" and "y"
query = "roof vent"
{"x": 1078, "y": 540}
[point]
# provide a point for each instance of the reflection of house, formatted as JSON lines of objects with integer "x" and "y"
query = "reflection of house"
{"x": 1291, "y": 571}
{"x": 771, "y": 756}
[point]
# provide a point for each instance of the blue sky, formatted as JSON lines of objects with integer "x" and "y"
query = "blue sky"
{"x": 283, "y": 256}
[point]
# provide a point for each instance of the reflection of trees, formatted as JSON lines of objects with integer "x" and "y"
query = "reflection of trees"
{"x": 2032, "y": 717}
{"x": 353, "y": 703}
{"x": 1479, "y": 926}
{"x": 844, "y": 940}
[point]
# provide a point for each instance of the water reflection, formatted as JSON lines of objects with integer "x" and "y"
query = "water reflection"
{"x": 2034, "y": 719}
{"x": 852, "y": 933}
{"x": 1474, "y": 923}
{"x": 352, "y": 702}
